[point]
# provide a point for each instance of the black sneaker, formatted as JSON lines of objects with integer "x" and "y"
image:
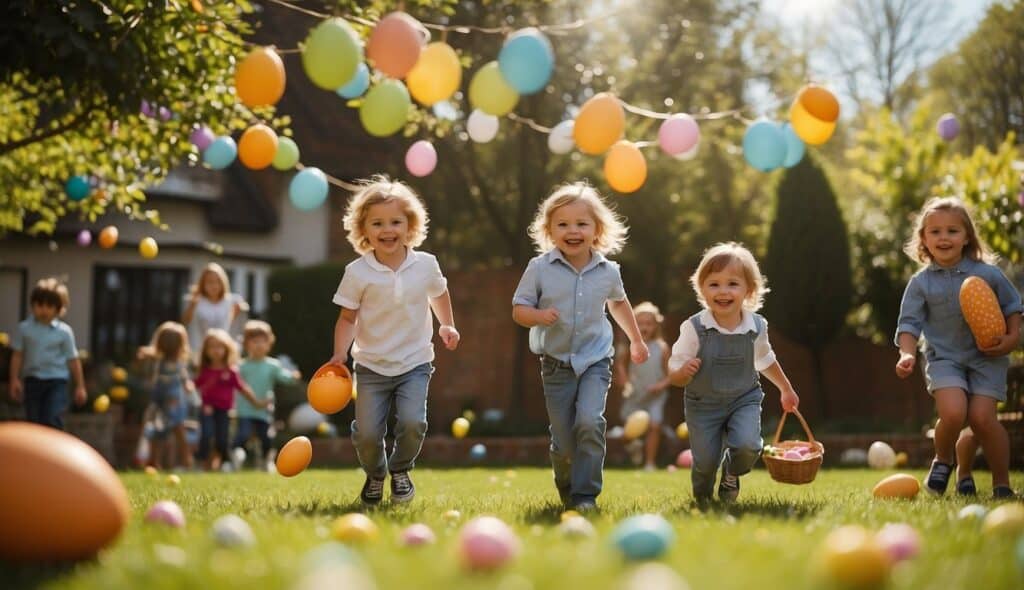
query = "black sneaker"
{"x": 402, "y": 489}
{"x": 564, "y": 494}
{"x": 966, "y": 487}
{"x": 373, "y": 491}
{"x": 938, "y": 477}
{"x": 729, "y": 487}
{"x": 1003, "y": 493}
{"x": 585, "y": 506}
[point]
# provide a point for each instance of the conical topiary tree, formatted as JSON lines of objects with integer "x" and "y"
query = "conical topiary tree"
{"x": 808, "y": 264}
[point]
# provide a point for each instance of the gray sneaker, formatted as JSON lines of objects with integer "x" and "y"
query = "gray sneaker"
{"x": 402, "y": 489}
{"x": 729, "y": 487}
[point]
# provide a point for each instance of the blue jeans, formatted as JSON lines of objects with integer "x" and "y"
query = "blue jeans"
{"x": 249, "y": 426}
{"x": 723, "y": 430}
{"x": 45, "y": 401}
{"x": 377, "y": 394}
{"x": 576, "y": 412}
{"x": 214, "y": 426}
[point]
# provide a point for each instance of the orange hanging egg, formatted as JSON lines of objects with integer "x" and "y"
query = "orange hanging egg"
{"x": 257, "y": 147}
{"x": 625, "y": 168}
{"x": 330, "y": 389}
{"x": 982, "y": 312}
{"x": 260, "y": 78}
{"x": 108, "y": 237}
{"x": 395, "y": 44}
{"x": 599, "y": 124}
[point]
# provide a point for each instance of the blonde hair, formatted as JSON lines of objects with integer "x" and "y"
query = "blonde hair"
{"x": 170, "y": 342}
{"x": 221, "y": 336}
{"x": 722, "y": 256}
{"x": 610, "y": 231}
{"x": 648, "y": 307}
{"x": 218, "y": 271}
{"x": 380, "y": 189}
{"x": 974, "y": 248}
{"x": 255, "y": 328}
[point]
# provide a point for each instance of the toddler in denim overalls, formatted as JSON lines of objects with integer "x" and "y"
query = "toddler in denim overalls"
{"x": 966, "y": 381}
{"x": 562, "y": 298}
{"x": 718, "y": 356}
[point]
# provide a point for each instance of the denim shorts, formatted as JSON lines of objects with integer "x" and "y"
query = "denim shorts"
{"x": 978, "y": 376}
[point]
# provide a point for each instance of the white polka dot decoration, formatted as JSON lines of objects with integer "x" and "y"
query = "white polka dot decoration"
{"x": 981, "y": 310}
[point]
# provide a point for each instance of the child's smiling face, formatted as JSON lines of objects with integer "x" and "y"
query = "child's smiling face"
{"x": 386, "y": 227}
{"x": 725, "y": 290}
{"x": 573, "y": 228}
{"x": 945, "y": 237}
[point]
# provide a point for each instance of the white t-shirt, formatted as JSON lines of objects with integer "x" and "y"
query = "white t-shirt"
{"x": 209, "y": 314}
{"x": 394, "y": 330}
{"x": 688, "y": 344}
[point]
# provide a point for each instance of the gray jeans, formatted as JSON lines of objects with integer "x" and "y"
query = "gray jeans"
{"x": 576, "y": 411}
{"x": 723, "y": 430}
{"x": 377, "y": 394}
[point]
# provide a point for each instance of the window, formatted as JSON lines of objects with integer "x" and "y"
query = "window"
{"x": 129, "y": 303}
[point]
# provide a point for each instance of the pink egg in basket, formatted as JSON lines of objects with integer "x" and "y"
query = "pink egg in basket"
{"x": 793, "y": 455}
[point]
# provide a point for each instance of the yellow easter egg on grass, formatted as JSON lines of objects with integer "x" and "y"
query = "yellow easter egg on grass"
{"x": 981, "y": 311}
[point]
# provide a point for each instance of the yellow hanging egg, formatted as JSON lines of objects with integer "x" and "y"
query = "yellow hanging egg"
{"x": 599, "y": 124}
{"x": 625, "y": 168}
{"x": 148, "y": 248}
{"x": 101, "y": 404}
{"x": 436, "y": 75}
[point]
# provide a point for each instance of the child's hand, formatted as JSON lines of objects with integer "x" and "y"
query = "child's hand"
{"x": 790, "y": 400}
{"x": 339, "y": 359}
{"x": 905, "y": 366}
{"x": 450, "y": 336}
{"x": 690, "y": 368}
{"x": 638, "y": 351}
{"x": 547, "y": 317}
{"x": 207, "y": 410}
{"x": 1001, "y": 347}
{"x": 80, "y": 395}
{"x": 16, "y": 390}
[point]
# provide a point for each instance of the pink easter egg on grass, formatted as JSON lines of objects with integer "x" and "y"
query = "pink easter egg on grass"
{"x": 166, "y": 512}
{"x": 417, "y": 534}
{"x": 685, "y": 459}
{"x": 487, "y": 543}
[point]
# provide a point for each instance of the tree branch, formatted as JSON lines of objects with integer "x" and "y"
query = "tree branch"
{"x": 74, "y": 123}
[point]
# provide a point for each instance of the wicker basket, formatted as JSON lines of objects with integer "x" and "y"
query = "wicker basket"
{"x": 795, "y": 471}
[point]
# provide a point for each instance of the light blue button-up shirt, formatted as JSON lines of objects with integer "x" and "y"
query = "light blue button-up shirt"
{"x": 46, "y": 348}
{"x": 582, "y": 335}
{"x": 931, "y": 307}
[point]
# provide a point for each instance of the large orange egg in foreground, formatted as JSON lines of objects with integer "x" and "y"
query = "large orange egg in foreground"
{"x": 59, "y": 498}
{"x": 294, "y": 457}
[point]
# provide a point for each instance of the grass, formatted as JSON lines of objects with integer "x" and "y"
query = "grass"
{"x": 768, "y": 540}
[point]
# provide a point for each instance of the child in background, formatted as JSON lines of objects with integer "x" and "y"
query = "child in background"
{"x": 386, "y": 297}
{"x": 561, "y": 298}
{"x": 211, "y": 305}
{"x": 169, "y": 384}
{"x": 966, "y": 382}
{"x": 646, "y": 384}
{"x": 261, "y": 373}
{"x": 718, "y": 356}
{"x": 45, "y": 356}
{"x": 217, "y": 381}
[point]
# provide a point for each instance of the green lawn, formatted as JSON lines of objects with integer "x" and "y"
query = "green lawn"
{"x": 768, "y": 540}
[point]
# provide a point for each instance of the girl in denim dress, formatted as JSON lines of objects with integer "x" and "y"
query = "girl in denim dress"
{"x": 561, "y": 298}
{"x": 966, "y": 381}
{"x": 718, "y": 356}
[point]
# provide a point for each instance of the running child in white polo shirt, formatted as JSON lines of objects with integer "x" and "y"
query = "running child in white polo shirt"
{"x": 386, "y": 297}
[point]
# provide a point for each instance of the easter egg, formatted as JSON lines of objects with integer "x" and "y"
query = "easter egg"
{"x": 119, "y": 393}
{"x": 101, "y": 404}
{"x": 308, "y": 189}
{"x": 599, "y": 124}
{"x": 287, "y": 155}
{"x": 637, "y": 424}
{"x": 221, "y": 153}
{"x": 477, "y": 452}
{"x": 59, "y": 498}
{"x": 527, "y": 60}
{"x": 813, "y": 114}
{"x": 901, "y": 459}
{"x": 653, "y": 576}
{"x": 487, "y": 543}
{"x": 355, "y": 87}
{"x": 232, "y": 531}
{"x": 852, "y": 558}
{"x": 899, "y": 485}
{"x": 148, "y": 248}
{"x": 490, "y": 92}
{"x": 899, "y": 540}
{"x": 567, "y": 515}
{"x": 331, "y": 53}
{"x": 166, "y": 512}
{"x": 764, "y": 145}
{"x": 395, "y": 44}
{"x": 201, "y": 137}
{"x": 469, "y": 415}
{"x": 436, "y": 76}
{"x": 576, "y": 527}
{"x": 260, "y": 78}
{"x": 294, "y": 457}
{"x": 84, "y": 238}
{"x": 948, "y": 127}
{"x": 683, "y": 431}
{"x": 354, "y": 528}
{"x": 151, "y": 471}
{"x": 625, "y": 168}
{"x": 793, "y": 455}
{"x": 685, "y": 459}
{"x": 421, "y": 158}
{"x": 108, "y": 237}
{"x": 330, "y": 389}
{"x": 560, "y": 139}
{"x": 646, "y": 536}
{"x": 460, "y": 427}
{"x": 981, "y": 310}
{"x": 881, "y": 456}
{"x": 417, "y": 534}
{"x": 481, "y": 127}
{"x": 451, "y": 516}
{"x": 1007, "y": 519}
{"x": 77, "y": 188}
{"x": 257, "y": 147}
{"x": 974, "y": 512}
{"x": 678, "y": 134}
{"x": 794, "y": 147}
{"x": 385, "y": 108}
{"x": 173, "y": 480}
{"x": 118, "y": 374}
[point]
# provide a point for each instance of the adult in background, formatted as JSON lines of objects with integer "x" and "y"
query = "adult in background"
{"x": 212, "y": 305}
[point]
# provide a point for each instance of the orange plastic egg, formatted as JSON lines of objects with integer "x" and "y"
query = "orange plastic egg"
{"x": 899, "y": 485}
{"x": 108, "y": 237}
{"x": 294, "y": 456}
{"x": 981, "y": 311}
{"x": 59, "y": 499}
{"x": 330, "y": 389}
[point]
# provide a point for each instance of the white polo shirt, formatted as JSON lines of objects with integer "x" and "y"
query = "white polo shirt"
{"x": 688, "y": 344}
{"x": 394, "y": 330}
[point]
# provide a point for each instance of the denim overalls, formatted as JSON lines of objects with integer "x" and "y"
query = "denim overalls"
{"x": 723, "y": 406}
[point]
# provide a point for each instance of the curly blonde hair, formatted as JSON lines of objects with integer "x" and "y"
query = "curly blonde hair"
{"x": 610, "y": 231}
{"x": 974, "y": 248}
{"x": 721, "y": 256}
{"x": 380, "y": 189}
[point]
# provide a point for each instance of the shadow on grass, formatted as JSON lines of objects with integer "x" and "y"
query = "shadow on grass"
{"x": 315, "y": 508}
{"x": 35, "y": 575}
{"x": 767, "y": 507}
{"x": 548, "y": 513}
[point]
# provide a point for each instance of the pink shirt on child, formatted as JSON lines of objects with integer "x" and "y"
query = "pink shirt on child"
{"x": 218, "y": 387}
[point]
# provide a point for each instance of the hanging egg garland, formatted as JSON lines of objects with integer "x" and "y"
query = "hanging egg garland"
{"x": 625, "y": 168}
{"x": 490, "y": 92}
{"x": 395, "y": 44}
{"x": 560, "y": 138}
{"x": 482, "y": 127}
{"x": 678, "y": 134}
{"x": 794, "y": 147}
{"x": 527, "y": 60}
{"x": 257, "y": 147}
{"x": 357, "y": 86}
{"x": 599, "y": 124}
{"x": 421, "y": 158}
{"x": 287, "y": 155}
{"x": 814, "y": 114}
{"x": 201, "y": 137}
{"x": 260, "y": 78}
{"x": 385, "y": 108}
{"x": 436, "y": 76}
{"x": 84, "y": 238}
{"x": 148, "y": 248}
{"x": 77, "y": 188}
{"x": 221, "y": 153}
{"x": 331, "y": 53}
{"x": 308, "y": 189}
{"x": 764, "y": 145}
{"x": 948, "y": 127}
